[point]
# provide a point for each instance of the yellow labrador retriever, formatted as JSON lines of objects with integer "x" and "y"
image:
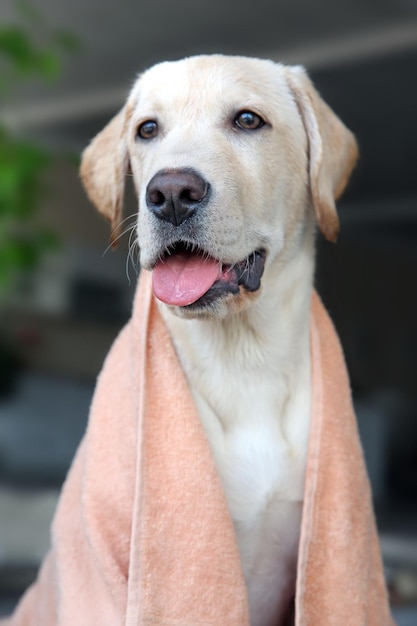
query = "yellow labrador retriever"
{"x": 234, "y": 160}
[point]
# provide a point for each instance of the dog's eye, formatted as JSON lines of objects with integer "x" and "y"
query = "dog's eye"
{"x": 247, "y": 120}
{"x": 147, "y": 130}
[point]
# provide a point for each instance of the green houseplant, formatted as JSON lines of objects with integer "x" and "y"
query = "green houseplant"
{"x": 29, "y": 51}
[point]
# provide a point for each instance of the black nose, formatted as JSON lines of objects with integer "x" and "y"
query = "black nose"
{"x": 175, "y": 195}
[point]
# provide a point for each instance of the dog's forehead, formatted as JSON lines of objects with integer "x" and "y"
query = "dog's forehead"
{"x": 211, "y": 79}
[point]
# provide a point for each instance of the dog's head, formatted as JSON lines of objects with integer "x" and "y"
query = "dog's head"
{"x": 229, "y": 157}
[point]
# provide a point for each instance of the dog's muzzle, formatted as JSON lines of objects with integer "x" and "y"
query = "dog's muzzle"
{"x": 187, "y": 275}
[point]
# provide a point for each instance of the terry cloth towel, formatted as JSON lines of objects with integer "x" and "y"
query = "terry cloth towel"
{"x": 142, "y": 535}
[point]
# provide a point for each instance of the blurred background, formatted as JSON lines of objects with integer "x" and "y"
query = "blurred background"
{"x": 65, "y": 69}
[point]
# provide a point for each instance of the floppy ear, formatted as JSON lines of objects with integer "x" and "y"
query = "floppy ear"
{"x": 333, "y": 151}
{"x": 104, "y": 165}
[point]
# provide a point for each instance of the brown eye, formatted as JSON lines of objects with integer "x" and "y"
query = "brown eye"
{"x": 247, "y": 120}
{"x": 147, "y": 130}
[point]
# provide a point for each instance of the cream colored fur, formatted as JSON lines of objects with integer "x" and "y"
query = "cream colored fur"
{"x": 247, "y": 359}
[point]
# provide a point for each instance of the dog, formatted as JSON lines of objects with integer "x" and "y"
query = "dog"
{"x": 235, "y": 161}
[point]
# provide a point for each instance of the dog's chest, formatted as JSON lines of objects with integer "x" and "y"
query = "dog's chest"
{"x": 257, "y": 428}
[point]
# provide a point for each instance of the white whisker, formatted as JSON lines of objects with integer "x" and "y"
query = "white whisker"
{"x": 124, "y": 232}
{"x": 130, "y": 254}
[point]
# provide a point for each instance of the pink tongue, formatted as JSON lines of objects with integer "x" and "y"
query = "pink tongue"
{"x": 183, "y": 278}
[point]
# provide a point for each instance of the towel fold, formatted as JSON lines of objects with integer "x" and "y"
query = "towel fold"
{"x": 142, "y": 535}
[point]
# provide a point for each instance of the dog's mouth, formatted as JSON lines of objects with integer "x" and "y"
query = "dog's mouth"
{"x": 190, "y": 277}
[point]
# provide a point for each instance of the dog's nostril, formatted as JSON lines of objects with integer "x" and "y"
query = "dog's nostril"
{"x": 156, "y": 197}
{"x": 192, "y": 194}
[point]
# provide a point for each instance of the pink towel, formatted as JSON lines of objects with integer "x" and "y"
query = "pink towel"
{"x": 142, "y": 535}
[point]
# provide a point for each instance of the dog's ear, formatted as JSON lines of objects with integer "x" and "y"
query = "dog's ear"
{"x": 104, "y": 165}
{"x": 333, "y": 151}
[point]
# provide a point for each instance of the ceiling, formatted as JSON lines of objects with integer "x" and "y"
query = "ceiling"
{"x": 362, "y": 54}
